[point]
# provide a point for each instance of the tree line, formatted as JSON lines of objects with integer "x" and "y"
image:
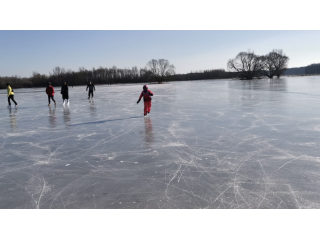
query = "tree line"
{"x": 246, "y": 65}
{"x": 155, "y": 71}
{"x": 204, "y": 74}
{"x": 310, "y": 69}
{"x": 313, "y": 68}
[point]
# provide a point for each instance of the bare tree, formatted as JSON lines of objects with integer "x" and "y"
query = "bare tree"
{"x": 165, "y": 68}
{"x": 56, "y": 71}
{"x": 153, "y": 67}
{"x": 269, "y": 69}
{"x": 135, "y": 72}
{"x": 57, "y": 74}
{"x": 82, "y": 69}
{"x": 160, "y": 69}
{"x": 146, "y": 75}
{"x": 280, "y": 61}
{"x": 101, "y": 74}
{"x": 247, "y": 64}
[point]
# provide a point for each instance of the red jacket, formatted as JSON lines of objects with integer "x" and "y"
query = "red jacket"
{"x": 146, "y": 95}
{"x": 50, "y": 90}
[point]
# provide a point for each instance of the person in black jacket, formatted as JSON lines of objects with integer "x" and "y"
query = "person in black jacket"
{"x": 91, "y": 89}
{"x": 65, "y": 93}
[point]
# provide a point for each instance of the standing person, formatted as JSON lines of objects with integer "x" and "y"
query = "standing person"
{"x": 91, "y": 89}
{"x": 10, "y": 96}
{"x": 65, "y": 93}
{"x": 50, "y": 92}
{"x": 146, "y": 94}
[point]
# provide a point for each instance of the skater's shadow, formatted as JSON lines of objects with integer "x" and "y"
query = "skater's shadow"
{"x": 12, "y": 114}
{"x": 104, "y": 121}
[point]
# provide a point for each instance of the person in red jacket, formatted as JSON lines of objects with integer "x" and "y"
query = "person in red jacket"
{"x": 146, "y": 94}
{"x": 50, "y": 92}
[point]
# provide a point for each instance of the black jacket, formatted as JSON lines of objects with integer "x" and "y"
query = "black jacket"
{"x": 65, "y": 91}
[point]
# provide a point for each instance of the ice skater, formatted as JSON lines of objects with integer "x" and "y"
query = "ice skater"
{"x": 65, "y": 93}
{"x": 50, "y": 92}
{"x": 146, "y": 94}
{"x": 10, "y": 96}
{"x": 91, "y": 89}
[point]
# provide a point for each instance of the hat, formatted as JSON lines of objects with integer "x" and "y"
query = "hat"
{"x": 145, "y": 86}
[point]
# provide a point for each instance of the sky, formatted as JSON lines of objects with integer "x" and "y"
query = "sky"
{"x": 23, "y": 52}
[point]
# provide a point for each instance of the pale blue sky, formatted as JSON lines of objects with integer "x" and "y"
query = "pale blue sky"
{"x": 23, "y": 52}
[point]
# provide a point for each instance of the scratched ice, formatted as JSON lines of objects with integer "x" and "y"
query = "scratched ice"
{"x": 206, "y": 144}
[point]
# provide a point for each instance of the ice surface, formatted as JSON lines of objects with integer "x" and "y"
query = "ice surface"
{"x": 206, "y": 144}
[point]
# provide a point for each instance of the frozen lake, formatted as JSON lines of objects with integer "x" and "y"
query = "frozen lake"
{"x": 206, "y": 144}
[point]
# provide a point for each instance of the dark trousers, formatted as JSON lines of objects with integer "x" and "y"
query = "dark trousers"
{"x": 12, "y": 98}
{"x": 51, "y": 98}
{"x": 90, "y": 92}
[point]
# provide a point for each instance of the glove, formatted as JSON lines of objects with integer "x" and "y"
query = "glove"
{"x": 138, "y": 101}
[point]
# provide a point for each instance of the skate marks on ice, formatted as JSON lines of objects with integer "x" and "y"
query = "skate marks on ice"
{"x": 230, "y": 145}
{"x": 104, "y": 121}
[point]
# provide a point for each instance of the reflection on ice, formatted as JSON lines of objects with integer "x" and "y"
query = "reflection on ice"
{"x": 66, "y": 115}
{"x": 12, "y": 114}
{"x": 93, "y": 108}
{"x": 206, "y": 144}
{"x": 52, "y": 117}
{"x": 148, "y": 130}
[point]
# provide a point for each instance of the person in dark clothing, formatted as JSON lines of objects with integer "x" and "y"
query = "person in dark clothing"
{"x": 91, "y": 89}
{"x": 10, "y": 95}
{"x": 65, "y": 93}
{"x": 50, "y": 91}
